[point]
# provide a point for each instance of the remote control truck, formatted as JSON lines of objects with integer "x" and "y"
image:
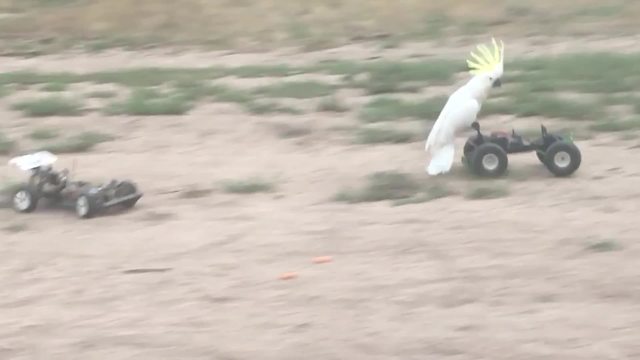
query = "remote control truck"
{"x": 87, "y": 199}
{"x": 487, "y": 155}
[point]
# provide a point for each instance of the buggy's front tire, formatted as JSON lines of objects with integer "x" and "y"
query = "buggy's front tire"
{"x": 562, "y": 158}
{"x": 24, "y": 199}
{"x": 489, "y": 160}
{"x": 86, "y": 206}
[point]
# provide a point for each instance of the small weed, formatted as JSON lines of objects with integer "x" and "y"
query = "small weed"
{"x": 6, "y": 145}
{"x": 485, "y": 192}
{"x": 79, "y": 143}
{"x": 146, "y": 102}
{"x": 604, "y": 246}
{"x": 49, "y": 106}
{"x": 332, "y": 104}
{"x": 266, "y": 107}
{"x": 195, "y": 192}
{"x": 427, "y": 193}
{"x": 287, "y": 131}
{"x": 55, "y": 87}
{"x": 248, "y": 186}
{"x": 297, "y": 90}
{"x": 388, "y": 109}
{"x": 380, "y": 186}
{"x": 379, "y": 136}
{"x": 15, "y": 228}
{"x": 43, "y": 134}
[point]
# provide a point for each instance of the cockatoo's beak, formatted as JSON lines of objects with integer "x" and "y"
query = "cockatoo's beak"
{"x": 497, "y": 83}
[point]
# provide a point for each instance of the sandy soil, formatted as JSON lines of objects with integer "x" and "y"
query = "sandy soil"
{"x": 509, "y": 278}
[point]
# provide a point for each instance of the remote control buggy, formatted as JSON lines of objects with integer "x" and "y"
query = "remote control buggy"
{"x": 87, "y": 199}
{"x": 486, "y": 156}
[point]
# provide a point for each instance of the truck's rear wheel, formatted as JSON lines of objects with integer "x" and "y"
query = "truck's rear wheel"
{"x": 489, "y": 160}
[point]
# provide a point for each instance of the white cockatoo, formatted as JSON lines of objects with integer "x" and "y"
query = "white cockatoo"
{"x": 462, "y": 107}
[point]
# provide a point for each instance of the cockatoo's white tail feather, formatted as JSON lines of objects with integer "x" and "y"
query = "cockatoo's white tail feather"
{"x": 442, "y": 160}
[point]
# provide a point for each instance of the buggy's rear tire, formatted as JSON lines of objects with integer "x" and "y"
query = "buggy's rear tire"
{"x": 126, "y": 188}
{"x": 489, "y": 160}
{"x": 562, "y": 158}
{"x": 540, "y": 156}
{"x": 87, "y": 206}
{"x": 25, "y": 199}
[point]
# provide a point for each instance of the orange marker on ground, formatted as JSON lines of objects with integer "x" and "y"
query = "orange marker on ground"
{"x": 288, "y": 276}
{"x": 322, "y": 259}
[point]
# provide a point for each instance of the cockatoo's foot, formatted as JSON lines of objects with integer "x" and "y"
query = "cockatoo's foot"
{"x": 476, "y": 126}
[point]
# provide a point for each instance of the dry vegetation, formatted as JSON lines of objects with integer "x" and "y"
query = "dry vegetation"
{"x": 311, "y": 24}
{"x": 253, "y": 164}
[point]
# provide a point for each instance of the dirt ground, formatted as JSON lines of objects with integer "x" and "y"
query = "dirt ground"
{"x": 517, "y": 277}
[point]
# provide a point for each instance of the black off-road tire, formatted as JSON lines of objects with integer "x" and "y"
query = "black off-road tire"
{"x": 489, "y": 160}
{"x": 87, "y": 206}
{"x": 25, "y": 199}
{"x": 126, "y": 188}
{"x": 562, "y": 158}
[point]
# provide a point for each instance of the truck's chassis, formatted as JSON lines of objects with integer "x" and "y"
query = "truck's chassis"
{"x": 88, "y": 200}
{"x": 487, "y": 155}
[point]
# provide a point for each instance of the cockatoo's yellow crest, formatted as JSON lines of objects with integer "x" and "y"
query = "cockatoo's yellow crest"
{"x": 486, "y": 61}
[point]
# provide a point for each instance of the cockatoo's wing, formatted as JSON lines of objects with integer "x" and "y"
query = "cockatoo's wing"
{"x": 457, "y": 114}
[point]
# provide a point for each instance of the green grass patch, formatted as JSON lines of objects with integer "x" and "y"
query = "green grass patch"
{"x": 384, "y": 135}
{"x": 389, "y": 109}
{"x": 296, "y": 90}
{"x": 248, "y": 186}
{"x": 43, "y": 134}
{"x": 604, "y": 246}
{"x": 149, "y": 102}
{"x": 226, "y": 94}
{"x": 148, "y": 77}
{"x": 616, "y": 125}
{"x": 102, "y": 94}
{"x": 49, "y": 106}
{"x": 485, "y": 192}
{"x": 35, "y": 78}
{"x": 598, "y": 72}
{"x": 428, "y": 193}
{"x": 258, "y": 71}
{"x": 384, "y": 77}
{"x": 55, "y": 87}
{"x": 544, "y": 105}
{"x": 82, "y": 142}
{"x": 381, "y": 186}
